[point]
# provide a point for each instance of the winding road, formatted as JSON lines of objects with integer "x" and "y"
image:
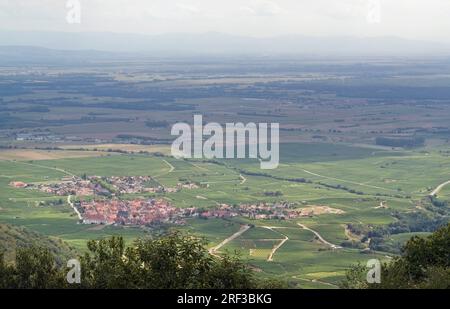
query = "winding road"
{"x": 170, "y": 166}
{"x": 243, "y": 179}
{"x": 321, "y": 239}
{"x": 171, "y": 169}
{"x": 272, "y": 253}
{"x": 439, "y": 188}
{"x": 270, "y": 258}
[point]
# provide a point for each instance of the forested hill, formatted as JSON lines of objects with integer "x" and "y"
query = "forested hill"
{"x": 14, "y": 237}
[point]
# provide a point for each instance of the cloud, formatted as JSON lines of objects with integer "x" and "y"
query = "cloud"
{"x": 415, "y": 19}
{"x": 262, "y": 8}
{"x": 187, "y": 8}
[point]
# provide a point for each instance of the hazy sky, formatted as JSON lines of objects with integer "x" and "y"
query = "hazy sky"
{"x": 415, "y": 19}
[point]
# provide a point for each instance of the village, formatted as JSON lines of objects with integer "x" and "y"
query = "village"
{"x": 268, "y": 211}
{"x": 106, "y": 186}
{"x": 156, "y": 211}
{"x": 132, "y": 212}
{"x": 106, "y": 206}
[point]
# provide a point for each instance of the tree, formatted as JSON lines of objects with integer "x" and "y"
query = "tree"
{"x": 173, "y": 261}
{"x": 424, "y": 263}
{"x": 35, "y": 268}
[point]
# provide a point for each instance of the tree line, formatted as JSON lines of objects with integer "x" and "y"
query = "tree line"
{"x": 423, "y": 264}
{"x": 173, "y": 261}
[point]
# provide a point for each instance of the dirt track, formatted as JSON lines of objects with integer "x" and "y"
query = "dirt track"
{"x": 348, "y": 181}
{"x": 321, "y": 239}
{"x": 439, "y": 188}
{"x": 242, "y": 230}
{"x": 282, "y": 241}
{"x": 69, "y": 201}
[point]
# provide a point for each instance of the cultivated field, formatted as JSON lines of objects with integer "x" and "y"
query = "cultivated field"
{"x": 280, "y": 248}
{"x": 364, "y": 145}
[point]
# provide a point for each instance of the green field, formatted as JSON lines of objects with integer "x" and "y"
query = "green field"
{"x": 401, "y": 179}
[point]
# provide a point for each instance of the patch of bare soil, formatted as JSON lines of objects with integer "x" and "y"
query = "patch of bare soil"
{"x": 317, "y": 210}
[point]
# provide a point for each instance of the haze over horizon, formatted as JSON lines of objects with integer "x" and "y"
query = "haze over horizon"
{"x": 412, "y": 19}
{"x": 22, "y": 45}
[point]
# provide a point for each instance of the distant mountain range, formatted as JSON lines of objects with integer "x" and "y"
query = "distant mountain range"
{"x": 27, "y": 55}
{"x": 177, "y": 44}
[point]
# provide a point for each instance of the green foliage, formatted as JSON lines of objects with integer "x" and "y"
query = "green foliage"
{"x": 425, "y": 263}
{"x": 437, "y": 202}
{"x": 13, "y": 238}
{"x": 174, "y": 261}
{"x": 355, "y": 278}
{"x": 413, "y": 172}
{"x": 35, "y": 268}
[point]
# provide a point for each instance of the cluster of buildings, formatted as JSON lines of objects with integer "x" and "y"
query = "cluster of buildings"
{"x": 265, "y": 211}
{"x": 140, "y": 184}
{"x": 38, "y": 137}
{"x": 46, "y": 136}
{"x": 155, "y": 211}
{"x": 151, "y": 211}
{"x": 262, "y": 210}
{"x": 18, "y": 184}
{"x": 67, "y": 186}
{"x": 139, "y": 211}
{"x": 95, "y": 185}
{"x": 129, "y": 184}
{"x": 112, "y": 210}
{"x": 81, "y": 188}
{"x": 132, "y": 212}
{"x": 222, "y": 211}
